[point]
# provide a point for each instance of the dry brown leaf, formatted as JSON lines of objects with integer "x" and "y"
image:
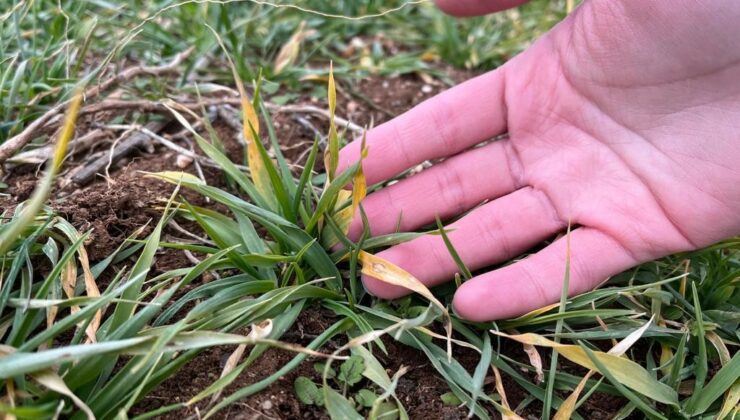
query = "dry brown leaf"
{"x": 91, "y": 287}
{"x": 10, "y": 397}
{"x": 69, "y": 280}
{"x": 508, "y": 413}
{"x": 289, "y": 52}
{"x": 536, "y": 361}
{"x": 259, "y": 331}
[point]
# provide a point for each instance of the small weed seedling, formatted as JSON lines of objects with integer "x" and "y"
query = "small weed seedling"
{"x": 348, "y": 381}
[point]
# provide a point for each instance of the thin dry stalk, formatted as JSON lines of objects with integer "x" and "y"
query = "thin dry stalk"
{"x": 42, "y": 154}
{"x": 15, "y": 143}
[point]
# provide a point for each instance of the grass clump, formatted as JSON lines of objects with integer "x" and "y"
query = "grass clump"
{"x": 82, "y": 339}
{"x": 669, "y": 316}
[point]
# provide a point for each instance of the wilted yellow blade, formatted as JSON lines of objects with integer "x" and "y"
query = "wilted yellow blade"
{"x": 389, "y": 273}
{"x": 332, "y": 92}
{"x": 359, "y": 189}
{"x": 506, "y": 413}
{"x": 730, "y": 408}
{"x": 566, "y": 409}
{"x": 359, "y": 184}
{"x": 538, "y": 311}
{"x": 569, "y": 405}
{"x": 34, "y": 205}
{"x": 666, "y": 354}
{"x": 333, "y": 152}
{"x": 251, "y": 132}
{"x": 68, "y": 131}
{"x": 343, "y": 215}
{"x": 314, "y": 78}
{"x": 626, "y": 371}
{"x": 175, "y": 177}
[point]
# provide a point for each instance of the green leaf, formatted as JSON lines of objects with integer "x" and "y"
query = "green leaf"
{"x": 449, "y": 398}
{"x": 721, "y": 382}
{"x": 479, "y": 375}
{"x": 339, "y": 408}
{"x": 604, "y": 370}
{"x": 328, "y": 198}
{"x": 20, "y": 363}
{"x": 467, "y": 275}
{"x": 386, "y": 411}
{"x": 350, "y": 372}
{"x": 125, "y": 310}
{"x": 373, "y": 369}
{"x": 274, "y": 178}
{"x": 365, "y": 397}
{"x": 307, "y": 392}
{"x": 305, "y": 176}
{"x": 321, "y": 368}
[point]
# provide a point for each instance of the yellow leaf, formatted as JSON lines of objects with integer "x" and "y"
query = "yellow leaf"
{"x": 429, "y": 56}
{"x": 566, "y": 409}
{"x": 69, "y": 280}
{"x": 175, "y": 177}
{"x": 333, "y": 151}
{"x": 251, "y": 132}
{"x": 68, "y": 130}
{"x": 507, "y": 413}
{"x": 359, "y": 184}
{"x": 343, "y": 214}
{"x": 730, "y": 408}
{"x": 34, "y": 205}
{"x": 666, "y": 354}
{"x": 719, "y": 345}
{"x": 314, "y": 78}
{"x": 389, "y": 273}
{"x": 629, "y": 373}
{"x": 539, "y": 311}
{"x": 332, "y": 92}
{"x": 569, "y": 405}
{"x": 257, "y": 168}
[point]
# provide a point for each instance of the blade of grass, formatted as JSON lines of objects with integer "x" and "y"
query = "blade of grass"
{"x": 609, "y": 374}
{"x": 467, "y": 275}
{"x": 547, "y": 404}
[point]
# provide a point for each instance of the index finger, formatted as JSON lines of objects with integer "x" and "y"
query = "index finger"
{"x": 476, "y": 7}
{"x": 448, "y": 123}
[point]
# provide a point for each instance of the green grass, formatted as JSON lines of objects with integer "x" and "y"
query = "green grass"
{"x": 69, "y": 350}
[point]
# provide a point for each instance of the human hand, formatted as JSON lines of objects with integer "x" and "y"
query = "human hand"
{"x": 623, "y": 120}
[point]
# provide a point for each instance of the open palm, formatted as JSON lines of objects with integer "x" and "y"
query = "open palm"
{"x": 624, "y": 121}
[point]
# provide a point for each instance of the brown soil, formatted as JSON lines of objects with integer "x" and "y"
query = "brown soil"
{"x": 116, "y": 207}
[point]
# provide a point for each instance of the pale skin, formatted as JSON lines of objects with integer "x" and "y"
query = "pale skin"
{"x": 623, "y": 120}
